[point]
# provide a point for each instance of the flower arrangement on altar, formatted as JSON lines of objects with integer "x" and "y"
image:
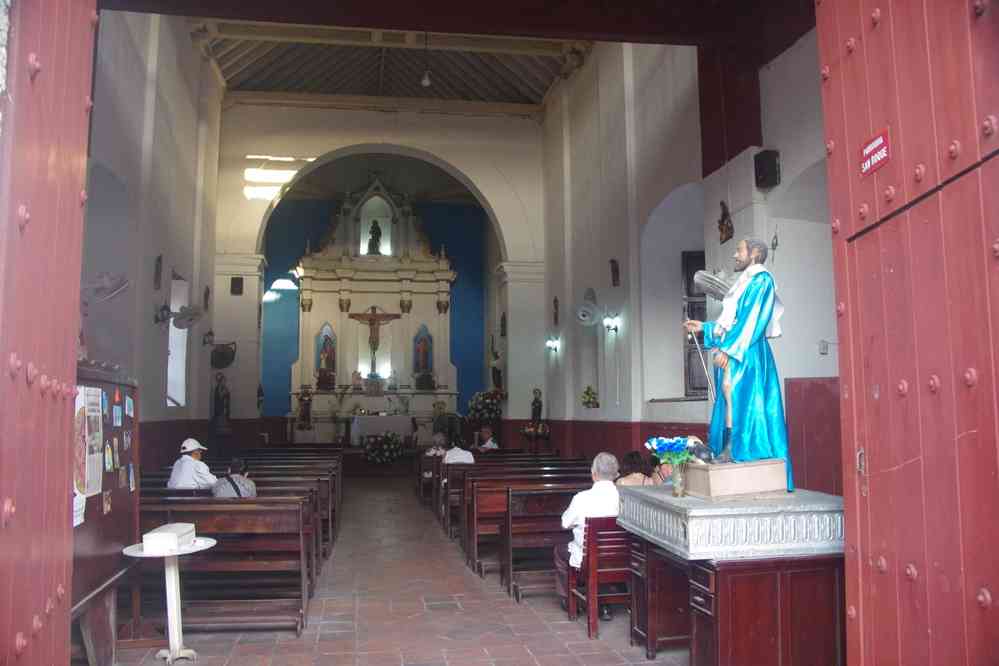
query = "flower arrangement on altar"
{"x": 675, "y": 452}
{"x": 590, "y": 400}
{"x": 485, "y": 406}
{"x": 536, "y": 430}
{"x": 385, "y": 449}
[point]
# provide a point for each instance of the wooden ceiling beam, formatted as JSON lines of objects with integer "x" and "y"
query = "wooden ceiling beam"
{"x": 364, "y": 102}
{"x": 441, "y": 87}
{"x": 352, "y": 58}
{"x": 525, "y": 85}
{"x": 693, "y": 22}
{"x": 311, "y": 70}
{"x": 287, "y": 53}
{"x": 373, "y": 38}
{"x": 478, "y": 80}
{"x": 234, "y": 68}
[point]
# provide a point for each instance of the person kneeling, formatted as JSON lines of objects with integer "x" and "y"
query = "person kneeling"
{"x": 600, "y": 501}
{"x": 236, "y": 483}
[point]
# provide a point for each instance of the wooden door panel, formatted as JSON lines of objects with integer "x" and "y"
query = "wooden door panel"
{"x": 953, "y": 86}
{"x": 985, "y": 61}
{"x": 857, "y": 107}
{"x": 936, "y": 422}
{"x": 50, "y": 58}
{"x": 915, "y": 141}
{"x": 975, "y": 452}
{"x": 889, "y": 189}
{"x": 902, "y": 440}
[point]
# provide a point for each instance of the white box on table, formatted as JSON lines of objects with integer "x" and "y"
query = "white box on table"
{"x": 168, "y": 538}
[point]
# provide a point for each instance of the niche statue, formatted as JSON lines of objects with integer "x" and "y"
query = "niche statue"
{"x": 536, "y": 406}
{"x": 220, "y": 405}
{"x": 375, "y": 239}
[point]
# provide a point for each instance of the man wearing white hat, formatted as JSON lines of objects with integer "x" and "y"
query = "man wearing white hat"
{"x": 189, "y": 472}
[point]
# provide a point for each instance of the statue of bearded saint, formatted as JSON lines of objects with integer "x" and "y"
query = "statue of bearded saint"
{"x": 747, "y": 421}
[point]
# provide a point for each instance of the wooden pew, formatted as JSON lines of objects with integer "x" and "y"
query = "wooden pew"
{"x": 280, "y": 489}
{"x": 533, "y": 520}
{"x": 459, "y": 479}
{"x": 606, "y": 559}
{"x": 487, "y": 501}
{"x": 327, "y": 485}
{"x": 451, "y": 486}
{"x": 440, "y": 475}
{"x": 255, "y": 577}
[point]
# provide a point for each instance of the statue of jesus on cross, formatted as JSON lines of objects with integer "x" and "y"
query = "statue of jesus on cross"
{"x": 374, "y": 321}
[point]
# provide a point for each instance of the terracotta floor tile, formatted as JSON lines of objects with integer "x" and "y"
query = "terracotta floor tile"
{"x": 396, "y": 592}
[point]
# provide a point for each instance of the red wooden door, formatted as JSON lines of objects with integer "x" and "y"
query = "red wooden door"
{"x": 916, "y": 251}
{"x": 43, "y": 150}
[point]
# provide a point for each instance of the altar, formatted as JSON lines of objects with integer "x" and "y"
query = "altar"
{"x": 366, "y": 426}
{"x": 750, "y": 580}
{"x": 375, "y": 322}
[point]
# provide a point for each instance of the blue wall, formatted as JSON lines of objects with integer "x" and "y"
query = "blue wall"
{"x": 461, "y": 228}
{"x": 292, "y": 224}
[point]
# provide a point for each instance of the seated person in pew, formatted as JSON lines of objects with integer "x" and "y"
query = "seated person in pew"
{"x": 439, "y": 447}
{"x": 189, "y": 472}
{"x": 236, "y": 482}
{"x": 456, "y": 454}
{"x": 486, "y": 437}
{"x": 635, "y": 471}
{"x": 600, "y": 501}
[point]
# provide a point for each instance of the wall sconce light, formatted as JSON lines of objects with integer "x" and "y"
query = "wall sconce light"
{"x": 553, "y": 344}
{"x": 612, "y": 322}
{"x": 208, "y": 338}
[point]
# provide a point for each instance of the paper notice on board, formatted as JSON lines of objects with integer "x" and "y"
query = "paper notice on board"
{"x": 88, "y": 442}
{"x": 79, "y": 508}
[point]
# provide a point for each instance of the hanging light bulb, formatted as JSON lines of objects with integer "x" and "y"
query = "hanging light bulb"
{"x": 425, "y": 81}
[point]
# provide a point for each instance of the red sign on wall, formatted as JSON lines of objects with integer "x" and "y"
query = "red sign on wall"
{"x": 875, "y": 153}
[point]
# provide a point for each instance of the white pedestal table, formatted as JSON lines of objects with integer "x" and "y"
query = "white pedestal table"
{"x": 175, "y": 628}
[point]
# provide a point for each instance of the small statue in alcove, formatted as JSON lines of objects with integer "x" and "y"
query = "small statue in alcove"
{"x": 375, "y": 239}
{"x": 304, "y": 409}
{"x": 220, "y": 404}
{"x": 536, "y": 406}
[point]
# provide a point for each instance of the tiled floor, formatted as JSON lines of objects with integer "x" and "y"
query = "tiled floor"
{"x": 397, "y": 593}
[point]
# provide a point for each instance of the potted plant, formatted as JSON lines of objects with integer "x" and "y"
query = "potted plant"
{"x": 672, "y": 451}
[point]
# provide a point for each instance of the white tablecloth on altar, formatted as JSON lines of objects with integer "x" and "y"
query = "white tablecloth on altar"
{"x": 362, "y": 426}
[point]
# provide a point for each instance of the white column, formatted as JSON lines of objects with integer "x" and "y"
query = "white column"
{"x": 235, "y": 320}
{"x": 524, "y": 283}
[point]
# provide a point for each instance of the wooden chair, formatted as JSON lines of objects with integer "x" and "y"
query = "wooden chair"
{"x": 606, "y": 559}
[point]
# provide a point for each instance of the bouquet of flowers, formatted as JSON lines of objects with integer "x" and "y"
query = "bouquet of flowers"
{"x": 669, "y": 450}
{"x": 485, "y": 406}
{"x": 384, "y": 450}
{"x": 590, "y": 400}
{"x": 536, "y": 430}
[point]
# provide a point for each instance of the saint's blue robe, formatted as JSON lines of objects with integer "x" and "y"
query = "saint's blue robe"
{"x": 758, "y": 427}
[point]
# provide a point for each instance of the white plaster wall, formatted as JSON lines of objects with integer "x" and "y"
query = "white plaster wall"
{"x": 499, "y": 157}
{"x": 674, "y": 227}
{"x": 620, "y": 135}
{"x": 153, "y": 150}
{"x": 796, "y": 210}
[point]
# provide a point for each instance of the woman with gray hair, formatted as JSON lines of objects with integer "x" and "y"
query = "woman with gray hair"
{"x": 600, "y": 501}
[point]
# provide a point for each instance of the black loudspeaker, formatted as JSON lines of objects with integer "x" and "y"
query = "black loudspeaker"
{"x": 767, "y": 163}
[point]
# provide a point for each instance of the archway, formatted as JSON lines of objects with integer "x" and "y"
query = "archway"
{"x": 387, "y": 149}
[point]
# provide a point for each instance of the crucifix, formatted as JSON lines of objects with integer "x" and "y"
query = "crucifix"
{"x": 374, "y": 321}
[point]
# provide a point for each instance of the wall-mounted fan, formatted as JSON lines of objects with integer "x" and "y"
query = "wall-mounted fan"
{"x": 102, "y": 288}
{"x": 715, "y": 286}
{"x": 588, "y": 313}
